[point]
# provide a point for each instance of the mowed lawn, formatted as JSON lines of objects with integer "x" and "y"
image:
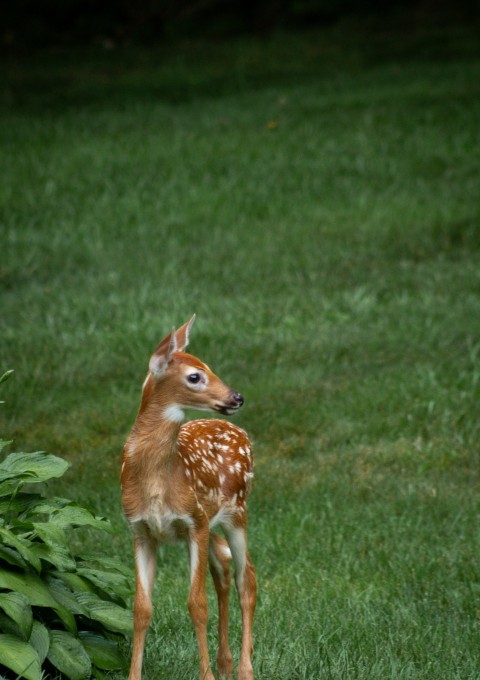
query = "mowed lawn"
{"x": 315, "y": 199}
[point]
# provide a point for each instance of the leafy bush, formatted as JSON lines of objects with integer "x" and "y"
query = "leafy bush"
{"x": 56, "y": 608}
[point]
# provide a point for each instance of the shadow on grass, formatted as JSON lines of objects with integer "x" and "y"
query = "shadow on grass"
{"x": 193, "y": 69}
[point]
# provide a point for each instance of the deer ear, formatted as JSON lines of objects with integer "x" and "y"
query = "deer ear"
{"x": 163, "y": 354}
{"x": 183, "y": 334}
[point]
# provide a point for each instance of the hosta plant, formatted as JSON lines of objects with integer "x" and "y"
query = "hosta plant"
{"x": 60, "y": 613}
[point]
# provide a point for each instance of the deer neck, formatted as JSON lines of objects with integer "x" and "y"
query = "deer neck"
{"x": 149, "y": 459}
{"x": 156, "y": 429}
{"x": 161, "y": 437}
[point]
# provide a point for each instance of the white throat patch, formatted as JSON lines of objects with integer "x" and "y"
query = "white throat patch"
{"x": 174, "y": 412}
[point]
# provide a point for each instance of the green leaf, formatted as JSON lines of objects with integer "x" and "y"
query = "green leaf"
{"x": 22, "y": 546}
{"x": 117, "y": 584}
{"x": 47, "y": 506}
{"x": 64, "y": 596}
{"x": 32, "y": 467}
{"x": 8, "y": 625}
{"x": 105, "y": 654}
{"x": 20, "y": 657}
{"x": 75, "y": 515}
{"x": 55, "y": 548}
{"x": 75, "y": 582}
{"x": 37, "y": 593}
{"x": 110, "y": 615}
{"x": 40, "y": 640}
{"x": 50, "y": 533}
{"x": 17, "y": 607}
{"x": 21, "y": 503}
{"x": 108, "y": 562}
{"x": 68, "y": 655}
{"x": 11, "y": 556}
{"x": 6, "y": 375}
{"x": 10, "y": 486}
{"x": 29, "y": 585}
{"x": 57, "y": 555}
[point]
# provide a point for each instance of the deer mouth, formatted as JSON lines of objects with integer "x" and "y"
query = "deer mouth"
{"x": 226, "y": 410}
{"x": 233, "y": 404}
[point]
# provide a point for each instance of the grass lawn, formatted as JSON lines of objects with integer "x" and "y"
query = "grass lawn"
{"x": 315, "y": 199}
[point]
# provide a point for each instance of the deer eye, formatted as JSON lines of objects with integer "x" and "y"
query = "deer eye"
{"x": 194, "y": 378}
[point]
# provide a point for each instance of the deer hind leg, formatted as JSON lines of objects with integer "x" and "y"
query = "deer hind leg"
{"x": 197, "y": 599}
{"x": 145, "y": 564}
{"x": 219, "y": 556}
{"x": 246, "y": 584}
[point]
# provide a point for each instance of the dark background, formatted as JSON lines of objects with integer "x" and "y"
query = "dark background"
{"x": 30, "y": 24}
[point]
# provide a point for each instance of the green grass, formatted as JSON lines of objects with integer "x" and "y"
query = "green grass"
{"x": 333, "y": 260}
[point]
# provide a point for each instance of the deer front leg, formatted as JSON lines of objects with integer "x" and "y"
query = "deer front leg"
{"x": 246, "y": 584}
{"x": 219, "y": 558}
{"x": 197, "y": 599}
{"x": 145, "y": 563}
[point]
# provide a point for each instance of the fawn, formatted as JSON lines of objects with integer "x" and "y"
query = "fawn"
{"x": 181, "y": 481}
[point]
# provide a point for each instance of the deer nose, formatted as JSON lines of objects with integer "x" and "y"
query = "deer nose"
{"x": 238, "y": 399}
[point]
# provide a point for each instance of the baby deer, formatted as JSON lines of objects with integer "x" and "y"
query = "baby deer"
{"x": 181, "y": 481}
